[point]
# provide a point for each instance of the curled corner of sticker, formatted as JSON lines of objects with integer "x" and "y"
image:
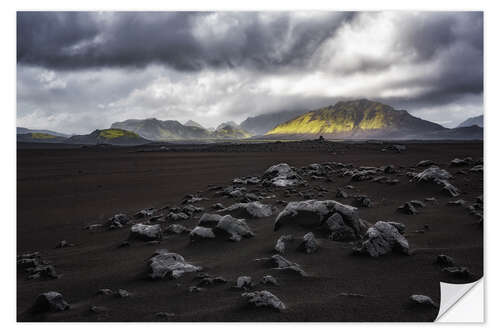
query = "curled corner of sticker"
{"x": 453, "y": 299}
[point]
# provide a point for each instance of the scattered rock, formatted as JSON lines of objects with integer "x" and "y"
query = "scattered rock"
{"x": 339, "y": 230}
{"x": 236, "y": 228}
{"x": 164, "y": 263}
{"x": 218, "y": 206}
{"x": 63, "y": 244}
{"x": 208, "y": 281}
{"x": 199, "y": 233}
{"x": 191, "y": 199}
{"x": 144, "y": 213}
{"x": 269, "y": 279}
{"x": 264, "y": 298}
{"x": 282, "y": 175}
{"x": 309, "y": 243}
{"x": 244, "y": 282}
{"x": 459, "y": 162}
{"x": 445, "y": 261}
{"x": 408, "y": 208}
{"x": 195, "y": 289}
{"x": 98, "y": 309}
{"x": 396, "y": 148}
{"x": 382, "y": 238}
{"x": 249, "y": 210}
{"x": 341, "y": 194}
{"x": 459, "y": 272}
{"x": 118, "y": 221}
{"x": 425, "y": 163}
{"x": 285, "y": 264}
{"x": 362, "y": 201}
{"x": 42, "y": 271}
{"x": 352, "y": 295}
{"x": 105, "y": 291}
{"x": 164, "y": 315}
{"x": 440, "y": 177}
{"x": 417, "y": 203}
{"x": 177, "y": 216}
{"x": 433, "y": 174}
{"x": 460, "y": 202}
{"x": 50, "y": 301}
{"x": 177, "y": 229}
{"x": 422, "y": 300}
{"x": 122, "y": 293}
{"x": 281, "y": 243}
{"x": 451, "y": 190}
{"x": 146, "y": 232}
{"x": 477, "y": 168}
{"x": 389, "y": 169}
{"x": 313, "y": 213}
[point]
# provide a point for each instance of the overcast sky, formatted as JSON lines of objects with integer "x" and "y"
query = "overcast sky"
{"x": 80, "y": 71}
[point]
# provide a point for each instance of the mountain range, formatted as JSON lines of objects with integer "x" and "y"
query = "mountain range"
{"x": 356, "y": 119}
{"x": 165, "y": 130}
{"x": 477, "y": 121}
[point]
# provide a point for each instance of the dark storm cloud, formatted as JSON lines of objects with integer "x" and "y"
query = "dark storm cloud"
{"x": 82, "y": 70}
{"x": 87, "y": 40}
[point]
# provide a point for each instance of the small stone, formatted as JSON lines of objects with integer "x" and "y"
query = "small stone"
{"x": 98, "y": 309}
{"x": 199, "y": 233}
{"x": 408, "y": 208}
{"x": 281, "y": 243}
{"x": 50, "y": 301}
{"x": 105, "y": 291}
{"x": 164, "y": 315}
{"x": 244, "y": 282}
{"x": 445, "y": 261}
{"x": 459, "y": 202}
{"x": 459, "y": 272}
{"x": 422, "y": 300}
{"x": 264, "y": 298}
{"x": 122, "y": 293}
{"x": 309, "y": 244}
{"x": 146, "y": 232}
{"x": 195, "y": 289}
{"x": 269, "y": 279}
{"x": 341, "y": 194}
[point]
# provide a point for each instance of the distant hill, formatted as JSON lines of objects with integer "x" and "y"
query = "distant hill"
{"x": 228, "y": 131}
{"x": 24, "y": 130}
{"x": 262, "y": 124}
{"x": 193, "y": 123}
{"x": 40, "y": 138}
{"x": 108, "y": 136}
{"x": 228, "y": 123}
{"x": 158, "y": 130}
{"x": 166, "y": 130}
{"x": 477, "y": 121}
{"x": 364, "y": 119}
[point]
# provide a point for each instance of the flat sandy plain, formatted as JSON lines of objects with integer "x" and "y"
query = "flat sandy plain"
{"x": 60, "y": 191}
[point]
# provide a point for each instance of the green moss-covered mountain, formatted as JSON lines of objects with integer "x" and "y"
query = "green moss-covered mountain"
{"x": 108, "y": 136}
{"x": 363, "y": 119}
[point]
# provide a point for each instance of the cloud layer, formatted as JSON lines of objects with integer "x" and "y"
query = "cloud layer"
{"x": 79, "y": 71}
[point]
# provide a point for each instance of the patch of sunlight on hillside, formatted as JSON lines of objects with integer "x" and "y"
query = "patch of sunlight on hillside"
{"x": 116, "y": 133}
{"x": 42, "y": 136}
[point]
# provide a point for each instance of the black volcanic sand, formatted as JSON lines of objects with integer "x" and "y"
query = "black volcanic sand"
{"x": 60, "y": 191}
